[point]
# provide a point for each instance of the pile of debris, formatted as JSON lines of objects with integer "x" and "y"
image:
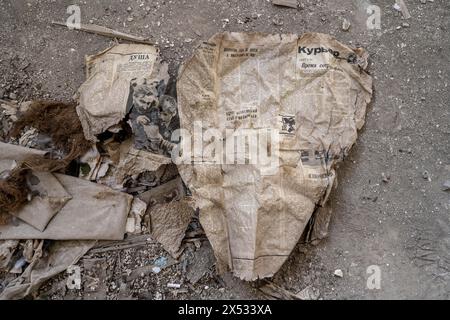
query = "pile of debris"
{"x": 76, "y": 176}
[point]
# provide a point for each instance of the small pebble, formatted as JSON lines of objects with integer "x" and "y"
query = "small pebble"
{"x": 156, "y": 270}
{"x": 278, "y": 22}
{"x": 338, "y": 273}
{"x": 346, "y": 25}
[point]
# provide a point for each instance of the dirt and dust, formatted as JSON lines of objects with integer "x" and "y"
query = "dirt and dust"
{"x": 385, "y": 213}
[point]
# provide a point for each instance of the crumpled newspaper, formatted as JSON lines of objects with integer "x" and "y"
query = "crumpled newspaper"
{"x": 299, "y": 101}
{"x": 128, "y": 82}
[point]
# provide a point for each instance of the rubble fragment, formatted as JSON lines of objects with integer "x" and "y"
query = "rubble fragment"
{"x": 7, "y": 249}
{"x": 338, "y": 273}
{"x": 400, "y": 5}
{"x": 202, "y": 262}
{"x": 137, "y": 212}
{"x": 169, "y": 223}
{"x": 286, "y": 3}
{"x": 133, "y": 162}
{"x": 274, "y": 291}
{"x": 309, "y": 293}
{"x": 346, "y": 25}
{"x": 446, "y": 185}
{"x": 59, "y": 256}
{"x": 94, "y": 279}
{"x": 74, "y": 279}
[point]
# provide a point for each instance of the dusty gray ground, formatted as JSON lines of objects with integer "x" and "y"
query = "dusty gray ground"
{"x": 402, "y": 225}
